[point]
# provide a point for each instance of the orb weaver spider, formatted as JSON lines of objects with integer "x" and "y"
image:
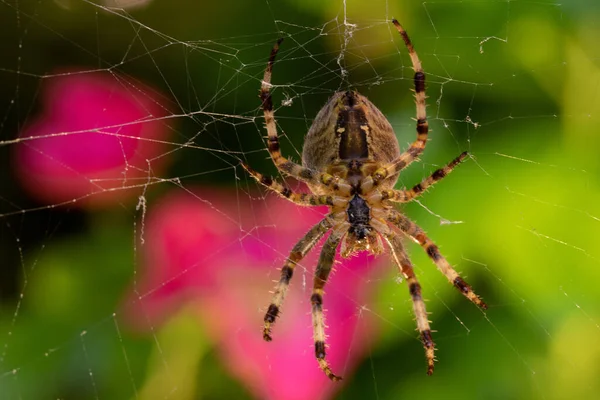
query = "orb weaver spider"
{"x": 351, "y": 161}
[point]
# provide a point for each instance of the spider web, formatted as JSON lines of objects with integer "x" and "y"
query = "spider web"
{"x": 89, "y": 308}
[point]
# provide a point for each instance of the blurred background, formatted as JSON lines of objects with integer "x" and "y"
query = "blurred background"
{"x": 136, "y": 256}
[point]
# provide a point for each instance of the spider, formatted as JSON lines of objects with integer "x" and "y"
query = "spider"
{"x": 350, "y": 162}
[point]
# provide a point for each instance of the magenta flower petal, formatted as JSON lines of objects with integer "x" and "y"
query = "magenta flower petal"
{"x": 95, "y": 135}
{"x": 223, "y": 255}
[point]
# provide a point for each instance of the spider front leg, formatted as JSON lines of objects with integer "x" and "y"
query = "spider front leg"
{"x": 406, "y": 268}
{"x": 283, "y": 164}
{"x": 296, "y": 255}
{"x": 404, "y": 196}
{"x": 324, "y": 266}
{"x": 411, "y": 229}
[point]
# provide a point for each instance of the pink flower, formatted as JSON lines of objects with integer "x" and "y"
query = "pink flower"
{"x": 223, "y": 251}
{"x": 96, "y": 140}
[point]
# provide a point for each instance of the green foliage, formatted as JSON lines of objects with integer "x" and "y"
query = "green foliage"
{"x": 527, "y": 200}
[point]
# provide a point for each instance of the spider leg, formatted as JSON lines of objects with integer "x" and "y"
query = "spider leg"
{"x": 411, "y": 229}
{"x": 296, "y": 255}
{"x": 283, "y": 164}
{"x": 401, "y": 259}
{"x": 321, "y": 274}
{"x": 280, "y": 161}
{"x": 404, "y": 196}
{"x": 417, "y": 147}
{"x": 303, "y": 199}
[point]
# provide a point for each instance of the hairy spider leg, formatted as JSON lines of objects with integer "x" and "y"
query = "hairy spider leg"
{"x": 299, "y": 251}
{"x": 411, "y": 229}
{"x": 324, "y": 266}
{"x": 417, "y": 147}
{"x": 302, "y": 199}
{"x": 404, "y": 196}
{"x": 406, "y": 268}
{"x": 283, "y": 164}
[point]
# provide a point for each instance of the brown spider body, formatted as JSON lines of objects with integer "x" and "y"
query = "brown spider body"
{"x": 351, "y": 161}
{"x": 350, "y": 139}
{"x": 349, "y": 128}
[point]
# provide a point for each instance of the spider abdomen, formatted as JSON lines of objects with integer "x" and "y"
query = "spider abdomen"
{"x": 349, "y": 127}
{"x": 352, "y": 128}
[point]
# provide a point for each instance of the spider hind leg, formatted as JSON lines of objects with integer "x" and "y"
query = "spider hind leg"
{"x": 418, "y": 146}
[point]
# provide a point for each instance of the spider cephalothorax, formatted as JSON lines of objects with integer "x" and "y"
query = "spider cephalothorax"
{"x": 351, "y": 161}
